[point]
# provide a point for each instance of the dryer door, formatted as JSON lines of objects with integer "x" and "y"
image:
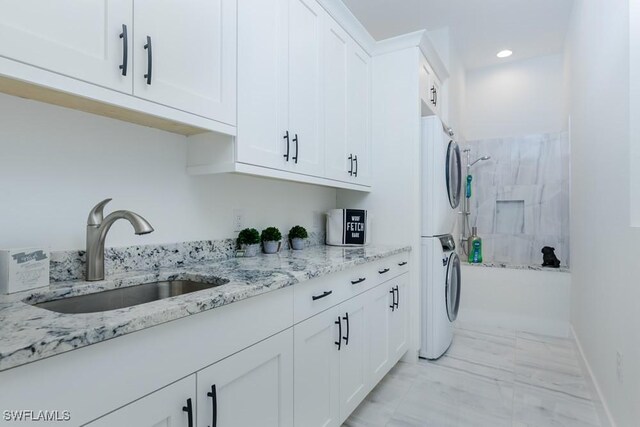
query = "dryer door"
{"x": 454, "y": 174}
{"x": 452, "y": 287}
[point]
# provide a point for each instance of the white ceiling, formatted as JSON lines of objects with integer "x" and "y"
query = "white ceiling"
{"x": 479, "y": 28}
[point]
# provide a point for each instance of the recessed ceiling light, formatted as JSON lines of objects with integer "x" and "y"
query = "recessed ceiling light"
{"x": 504, "y": 53}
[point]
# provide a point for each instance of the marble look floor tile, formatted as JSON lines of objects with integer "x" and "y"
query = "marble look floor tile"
{"x": 488, "y": 330}
{"x": 379, "y": 405}
{"x": 536, "y": 407}
{"x": 443, "y": 396}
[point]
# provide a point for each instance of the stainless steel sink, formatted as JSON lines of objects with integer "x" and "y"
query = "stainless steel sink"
{"x": 126, "y": 297}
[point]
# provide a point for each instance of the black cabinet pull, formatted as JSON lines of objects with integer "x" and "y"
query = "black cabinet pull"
{"x": 286, "y": 138}
{"x": 213, "y": 394}
{"x": 324, "y": 294}
{"x": 339, "y": 342}
{"x": 403, "y": 263}
{"x": 397, "y": 297}
{"x": 350, "y": 158}
{"x": 360, "y": 280}
{"x": 355, "y": 160}
{"x": 346, "y": 339}
{"x": 393, "y": 299}
{"x": 295, "y": 159}
{"x": 125, "y": 50}
{"x": 149, "y": 60}
{"x": 189, "y": 410}
{"x": 386, "y": 270}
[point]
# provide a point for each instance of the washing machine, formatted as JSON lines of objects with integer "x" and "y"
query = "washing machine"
{"x": 441, "y": 174}
{"x": 440, "y": 296}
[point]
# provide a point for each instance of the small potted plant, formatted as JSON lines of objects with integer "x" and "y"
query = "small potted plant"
{"x": 271, "y": 237}
{"x": 297, "y": 236}
{"x": 249, "y": 241}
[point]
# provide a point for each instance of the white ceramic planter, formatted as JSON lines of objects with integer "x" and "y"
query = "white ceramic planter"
{"x": 251, "y": 250}
{"x": 297, "y": 244}
{"x": 271, "y": 247}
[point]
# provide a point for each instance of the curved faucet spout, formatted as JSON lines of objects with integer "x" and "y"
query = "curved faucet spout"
{"x": 97, "y": 229}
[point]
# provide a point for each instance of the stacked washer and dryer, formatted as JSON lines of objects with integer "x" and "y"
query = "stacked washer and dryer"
{"x": 440, "y": 264}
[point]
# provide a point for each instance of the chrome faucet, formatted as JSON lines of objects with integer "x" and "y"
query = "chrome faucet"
{"x": 97, "y": 229}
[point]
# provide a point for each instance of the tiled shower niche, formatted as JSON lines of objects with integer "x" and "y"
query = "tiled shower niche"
{"x": 520, "y": 198}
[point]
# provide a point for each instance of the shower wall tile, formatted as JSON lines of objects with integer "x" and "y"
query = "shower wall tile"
{"x": 534, "y": 169}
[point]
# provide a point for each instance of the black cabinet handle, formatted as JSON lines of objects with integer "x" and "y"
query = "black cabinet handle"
{"x": 213, "y": 394}
{"x": 324, "y": 294}
{"x": 386, "y": 270}
{"x": 339, "y": 342}
{"x": 360, "y": 280}
{"x": 397, "y": 297}
{"x": 286, "y": 137}
{"x": 355, "y": 172}
{"x": 149, "y": 60}
{"x": 346, "y": 339}
{"x": 189, "y": 410}
{"x": 350, "y": 158}
{"x": 295, "y": 159}
{"x": 125, "y": 50}
{"x": 403, "y": 263}
{"x": 393, "y": 299}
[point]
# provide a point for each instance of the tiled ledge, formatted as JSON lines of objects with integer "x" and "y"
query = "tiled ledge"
{"x": 562, "y": 269}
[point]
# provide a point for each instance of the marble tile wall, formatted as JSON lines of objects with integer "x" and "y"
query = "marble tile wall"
{"x": 533, "y": 169}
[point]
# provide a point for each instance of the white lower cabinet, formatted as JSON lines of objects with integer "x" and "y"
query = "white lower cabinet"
{"x": 343, "y": 352}
{"x": 399, "y": 324}
{"x": 316, "y": 370}
{"x": 251, "y": 388}
{"x": 172, "y": 406}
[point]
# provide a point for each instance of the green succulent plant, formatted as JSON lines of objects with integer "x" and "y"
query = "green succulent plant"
{"x": 271, "y": 234}
{"x": 298, "y": 232}
{"x": 248, "y": 236}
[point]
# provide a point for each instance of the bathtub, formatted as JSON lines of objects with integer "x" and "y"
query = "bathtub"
{"x": 525, "y": 298}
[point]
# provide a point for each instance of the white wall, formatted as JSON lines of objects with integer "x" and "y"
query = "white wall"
{"x": 516, "y": 99}
{"x": 55, "y": 164}
{"x": 605, "y": 291}
{"x": 524, "y": 300}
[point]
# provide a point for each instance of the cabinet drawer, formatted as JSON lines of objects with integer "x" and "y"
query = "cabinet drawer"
{"x": 322, "y": 293}
{"x": 391, "y": 267}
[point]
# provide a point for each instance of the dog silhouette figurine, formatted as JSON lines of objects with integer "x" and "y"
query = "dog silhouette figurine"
{"x": 549, "y": 258}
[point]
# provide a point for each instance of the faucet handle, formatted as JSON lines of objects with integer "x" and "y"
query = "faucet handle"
{"x": 96, "y": 215}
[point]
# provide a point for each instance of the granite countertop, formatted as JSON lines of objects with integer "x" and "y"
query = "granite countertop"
{"x": 29, "y": 333}
{"x": 492, "y": 264}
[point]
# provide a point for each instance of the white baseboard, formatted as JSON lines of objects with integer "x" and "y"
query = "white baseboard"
{"x": 598, "y": 399}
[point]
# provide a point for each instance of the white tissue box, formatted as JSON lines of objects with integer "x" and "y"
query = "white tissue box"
{"x": 347, "y": 227}
{"x": 23, "y": 269}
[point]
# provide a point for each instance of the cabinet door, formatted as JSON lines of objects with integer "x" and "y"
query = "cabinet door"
{"x": 336, "y": 49}
{"x": 262, "y": 83}
{"x": 379, "y": 309}
{"x": 306, "y": 20}
{"x": 80, "y": 39}
{"x": 251, "y": 388}
{"x": 359, "y": 113}
{"x": 161, "y": 408}
{"x": 353, "y": 355}
{"x": 316, "y": 371}
{"x": 190, "y": 62}
{"x": 399, "y": 329}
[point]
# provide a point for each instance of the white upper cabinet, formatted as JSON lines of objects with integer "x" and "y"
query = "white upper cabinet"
{"x": 359, "y": 114}
{"x": 430, "y": 90}
{"x": 86, "y": 40}
{"x": 262, "y": 83}
{"x": 347, "y": 105}
{"x": 306, "y": 21}
{"x": 336, "y": 51}
{"x": 184, "y": 55}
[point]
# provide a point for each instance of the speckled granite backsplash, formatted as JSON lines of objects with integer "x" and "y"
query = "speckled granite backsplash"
{"x": 70, "y": 265}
